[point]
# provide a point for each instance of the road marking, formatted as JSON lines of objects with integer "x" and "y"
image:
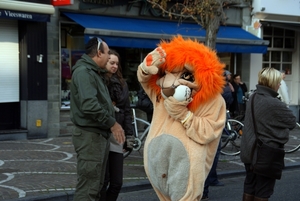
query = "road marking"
{"x": 51, "y": 189}
{"x": 19, "y": 191}
{"x": 135, "y": 178}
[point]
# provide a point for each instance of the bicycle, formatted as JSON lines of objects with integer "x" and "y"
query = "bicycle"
{"x": 294, "y": 140}
{"x": 231, "y": 137}
{"x": 139, "y": 137}
{"x": 291, "y": 146}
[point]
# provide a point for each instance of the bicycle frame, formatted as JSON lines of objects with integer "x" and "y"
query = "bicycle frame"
{"x": 138, "y": 139}
{"x": 231, "y": 136}
{"x": 136, "y": 132}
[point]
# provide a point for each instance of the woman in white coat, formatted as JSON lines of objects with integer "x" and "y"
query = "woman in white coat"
{"x": 283, "y": 90}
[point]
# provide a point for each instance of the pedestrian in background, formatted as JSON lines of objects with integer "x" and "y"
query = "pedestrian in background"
{"x": 212, "y": 178}
{"x": 228, "y": 90}
{"x": 119, "y": 94}
{"x": 228, "y": 76}
{"x": 144, "y": 103}
{"x": 283, "y": 90}
{"x": 273, "y": 122}
{"x": 93, "y": 115}
{"x": 238, "y": 106}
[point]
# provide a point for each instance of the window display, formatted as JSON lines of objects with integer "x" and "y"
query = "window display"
{"x": 65, "y": 77}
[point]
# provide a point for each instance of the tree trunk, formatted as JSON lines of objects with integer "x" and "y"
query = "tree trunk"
{"x": 211, "y": 32}
{"x": 213, "y": 24}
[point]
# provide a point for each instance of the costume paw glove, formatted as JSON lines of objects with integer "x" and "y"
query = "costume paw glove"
{"x": 129, "y": 142}
{"x": 153, "y": 61}
{"x": 177, "y": 109}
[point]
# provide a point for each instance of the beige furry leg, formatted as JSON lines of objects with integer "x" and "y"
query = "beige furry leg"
{"x": 161, "y": 196}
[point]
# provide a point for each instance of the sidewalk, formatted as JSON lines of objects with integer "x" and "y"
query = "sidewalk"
{"x": 45, "y": 169}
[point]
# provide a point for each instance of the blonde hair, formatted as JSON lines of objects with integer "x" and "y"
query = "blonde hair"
{"x": 269, "y": 77}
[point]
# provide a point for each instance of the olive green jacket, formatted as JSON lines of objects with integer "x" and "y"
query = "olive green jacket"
{"x": 91, "y": 106}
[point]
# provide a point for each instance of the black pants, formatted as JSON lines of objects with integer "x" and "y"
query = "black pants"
{"x": 113, "y": 177}
{"x": 257, "y": 185}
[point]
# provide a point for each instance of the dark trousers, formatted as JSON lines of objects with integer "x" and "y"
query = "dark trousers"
{"x": 212, "y": 177}
{"x": 257, "y": 185}
{"x": 113, "y": 177}
{"x": 92, "y": 151}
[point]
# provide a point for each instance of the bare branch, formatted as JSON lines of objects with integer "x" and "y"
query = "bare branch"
{"x": 207, "y": 13}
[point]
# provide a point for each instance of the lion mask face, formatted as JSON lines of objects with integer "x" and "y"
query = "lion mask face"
{"x": 192, "y": 61}
{"x": 170, "y": 85}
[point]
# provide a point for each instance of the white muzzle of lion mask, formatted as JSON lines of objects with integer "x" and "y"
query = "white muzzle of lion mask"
{"x": 170, "y": 87}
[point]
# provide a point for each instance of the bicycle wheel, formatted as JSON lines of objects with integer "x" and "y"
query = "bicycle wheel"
{"x": 139, "y": 140}
{"x": 226, "y": 137}
{"x": 233, "y": 137}
{"x": 240, "y": 118}
{"x": 138, "y": 145}
{"x": 294, "y": 140}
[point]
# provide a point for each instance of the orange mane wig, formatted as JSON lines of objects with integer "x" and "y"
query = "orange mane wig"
{"x": 208, "y": 70}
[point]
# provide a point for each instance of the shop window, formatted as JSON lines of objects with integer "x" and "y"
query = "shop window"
{"x": 280, "y": 49}
{"x": 278, "y": 42}
{"x": 72, "y": 47}
{"x": 65, "y": 77}
{"x": 266, "y": 57}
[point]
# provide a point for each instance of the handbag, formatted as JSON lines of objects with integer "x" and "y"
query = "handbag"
{"x": 266, "y": 160}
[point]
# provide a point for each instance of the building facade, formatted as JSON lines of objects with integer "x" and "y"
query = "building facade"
{"x": 23, "y": 68}
{"x": 133, "y": 28}
{"x": 279, "y": 22}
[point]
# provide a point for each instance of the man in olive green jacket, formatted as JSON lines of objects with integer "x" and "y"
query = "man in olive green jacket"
{"x": 92, "y": 113}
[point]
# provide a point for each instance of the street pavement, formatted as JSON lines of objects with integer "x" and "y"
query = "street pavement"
{"x": 286, "y": 189}
{"x": 45, "y": 169}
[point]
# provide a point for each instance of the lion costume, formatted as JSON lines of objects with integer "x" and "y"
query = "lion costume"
{"x": 184, "y": 135}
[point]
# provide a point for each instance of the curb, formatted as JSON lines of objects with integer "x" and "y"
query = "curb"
{"x": 132, "y": 186}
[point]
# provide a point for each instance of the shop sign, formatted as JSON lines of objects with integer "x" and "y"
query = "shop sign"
{"x": 62, "y": 2}
{"x": 19, "y": 15}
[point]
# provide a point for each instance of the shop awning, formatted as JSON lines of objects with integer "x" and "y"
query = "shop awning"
{"x": 140, "y": 33}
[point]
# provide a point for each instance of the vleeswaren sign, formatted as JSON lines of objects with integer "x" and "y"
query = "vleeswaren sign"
{"x": 62, "y": 2}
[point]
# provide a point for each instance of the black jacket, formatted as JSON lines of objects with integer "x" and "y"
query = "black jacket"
{"x": 120, "y": 95}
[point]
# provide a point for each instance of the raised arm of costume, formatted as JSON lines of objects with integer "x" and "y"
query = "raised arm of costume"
{"x": 153, "y": 61}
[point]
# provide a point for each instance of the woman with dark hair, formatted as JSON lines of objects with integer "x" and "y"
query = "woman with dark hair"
{"x": 119, "y": 94}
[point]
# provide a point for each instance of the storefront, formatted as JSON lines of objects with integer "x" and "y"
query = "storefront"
{"x": 133, "y": 28}
{"x": 23, "y": 69}
{"x": 134, "y": 38}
